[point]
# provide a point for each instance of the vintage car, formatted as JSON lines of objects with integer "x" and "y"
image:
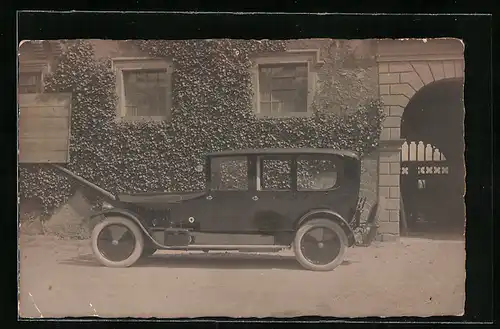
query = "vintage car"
{"x": 255, "y": 200}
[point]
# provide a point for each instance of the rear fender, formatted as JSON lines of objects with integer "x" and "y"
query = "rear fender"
{"x": 130, "y": 215}
{"x": 331, "y": 215}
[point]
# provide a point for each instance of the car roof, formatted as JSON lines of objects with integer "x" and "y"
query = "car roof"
{"x": 285, "y": 151}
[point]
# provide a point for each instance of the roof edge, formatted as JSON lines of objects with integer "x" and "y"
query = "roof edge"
{"x": 284, "y": 151}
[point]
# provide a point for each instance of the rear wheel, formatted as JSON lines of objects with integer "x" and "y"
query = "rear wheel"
{"x": 320, "y": 245}
{"x": 117, "y": 242}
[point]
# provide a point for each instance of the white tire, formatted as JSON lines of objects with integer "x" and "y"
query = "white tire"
{"x": 118, "y": 248}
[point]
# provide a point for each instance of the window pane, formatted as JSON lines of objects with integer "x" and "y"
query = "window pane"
{"x": 229, "y": 174}
{"x": 283, "y": 83}
{"x": 28, "y": 90}
{"x": 265, "y": 70}
{"x": 30, "y": 82}
{"x": 288, "y": 70}
{"x": 130, "y": 77}
{"x": 27, "y": 79}
{"x": 315, "y": 173}
{"x": 264, "y": 83}
{"x": 265, "y": 96}
{"x": 287, "y": 85}
{"x": 144, "y": 94}
{"x": 301, "y": 95}
{"x": 265, "y": 108}
{"x": 301, "y": 71}
{"x": 276, "y": 175}
{"x": 162, "y": 76}
{"x": 287, "y": 99}
{"x": 292, "y": 101}
{"x": 276, "y": 107}
{"x": 162, "y": 101}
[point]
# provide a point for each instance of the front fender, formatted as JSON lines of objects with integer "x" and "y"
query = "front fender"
{"x": 332, "y": 215}
{"x": 128, "y": 214}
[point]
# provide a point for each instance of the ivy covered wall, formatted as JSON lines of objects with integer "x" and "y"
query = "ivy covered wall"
{"x": 211, "y": 111}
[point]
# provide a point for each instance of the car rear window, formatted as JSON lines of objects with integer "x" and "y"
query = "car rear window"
{"x": 316, "y": 173}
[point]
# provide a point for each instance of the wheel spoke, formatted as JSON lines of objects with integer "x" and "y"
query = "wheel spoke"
{"x": 329, "y": 236}
{"x": 324, "y": 256}
{"x": 309, "y": 246}
{"x": 117, "y": 232}
{"x": 332, "y": 245}
{"x": 105, "y": 244}
{"x": 309, "y": 239}
{"x": 316, "y": 234}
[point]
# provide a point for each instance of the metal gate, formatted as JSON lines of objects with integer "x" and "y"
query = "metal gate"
{"x": 424, "y": 175}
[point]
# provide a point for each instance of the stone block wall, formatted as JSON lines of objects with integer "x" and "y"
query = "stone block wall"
{"x": 389, "y": 195}
{"x": 399, "y": 81}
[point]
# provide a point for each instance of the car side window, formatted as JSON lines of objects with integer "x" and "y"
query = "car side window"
{"x": 229, "y": 174}
{"x": 316, "y": 173}
{"x": 274, "y": 174}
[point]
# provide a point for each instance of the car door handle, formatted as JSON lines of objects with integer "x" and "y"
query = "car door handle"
{"x": 255, "y": 198}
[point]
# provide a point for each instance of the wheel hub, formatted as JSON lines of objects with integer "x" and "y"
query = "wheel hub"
{"x": 116, "y": 242}
{"x": 320, "y": 245}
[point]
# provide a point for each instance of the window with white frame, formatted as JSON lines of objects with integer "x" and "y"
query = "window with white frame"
{"x": 283, "y": 88}
{"x": 284, "y": 83}
{"x": 144, "y": 88}
{"x": 30, "y": 77}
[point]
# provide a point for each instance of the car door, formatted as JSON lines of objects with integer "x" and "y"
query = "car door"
{"x": 230, "y": 199}
{"x": 273, "y": 196}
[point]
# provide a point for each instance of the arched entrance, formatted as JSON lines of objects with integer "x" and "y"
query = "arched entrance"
{"x": 432, "y": 159}
{"x": 421, "y": 85}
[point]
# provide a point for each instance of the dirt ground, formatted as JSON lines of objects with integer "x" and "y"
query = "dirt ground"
{"x": 414, "y": 276}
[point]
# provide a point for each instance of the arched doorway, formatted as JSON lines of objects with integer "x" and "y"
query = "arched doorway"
{"x": 420, "y": 80}
{"x": 432, "y": 159}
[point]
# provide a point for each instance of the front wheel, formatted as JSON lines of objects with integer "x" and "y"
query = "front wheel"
{"x": 117, "y": 242}
{"x": 320, "y": 245}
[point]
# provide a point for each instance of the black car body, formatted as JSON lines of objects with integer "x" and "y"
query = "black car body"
{"x": 268, "y": 200}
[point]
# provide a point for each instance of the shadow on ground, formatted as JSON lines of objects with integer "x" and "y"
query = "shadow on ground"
{"x": 436, "y": 236}
{"x": 215, "y": 261}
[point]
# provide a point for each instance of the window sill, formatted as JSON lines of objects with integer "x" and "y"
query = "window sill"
{"x": 143, "y": 118}
{"x": 285, "y": 115}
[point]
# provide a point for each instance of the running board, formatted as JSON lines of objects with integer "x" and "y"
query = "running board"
{"x": 248, "y": 248}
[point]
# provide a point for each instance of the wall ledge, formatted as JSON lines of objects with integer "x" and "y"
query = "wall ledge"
{"x": 391, "y": 144}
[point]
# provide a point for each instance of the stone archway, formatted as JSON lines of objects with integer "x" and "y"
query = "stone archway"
{"x": 405, "y": 67}
{"x": 432, "y": 159}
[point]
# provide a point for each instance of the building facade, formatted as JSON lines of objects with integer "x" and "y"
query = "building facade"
{"x": 285, "y": 84}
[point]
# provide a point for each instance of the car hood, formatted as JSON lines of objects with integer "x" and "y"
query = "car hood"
{"x": 159, "y": 198}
